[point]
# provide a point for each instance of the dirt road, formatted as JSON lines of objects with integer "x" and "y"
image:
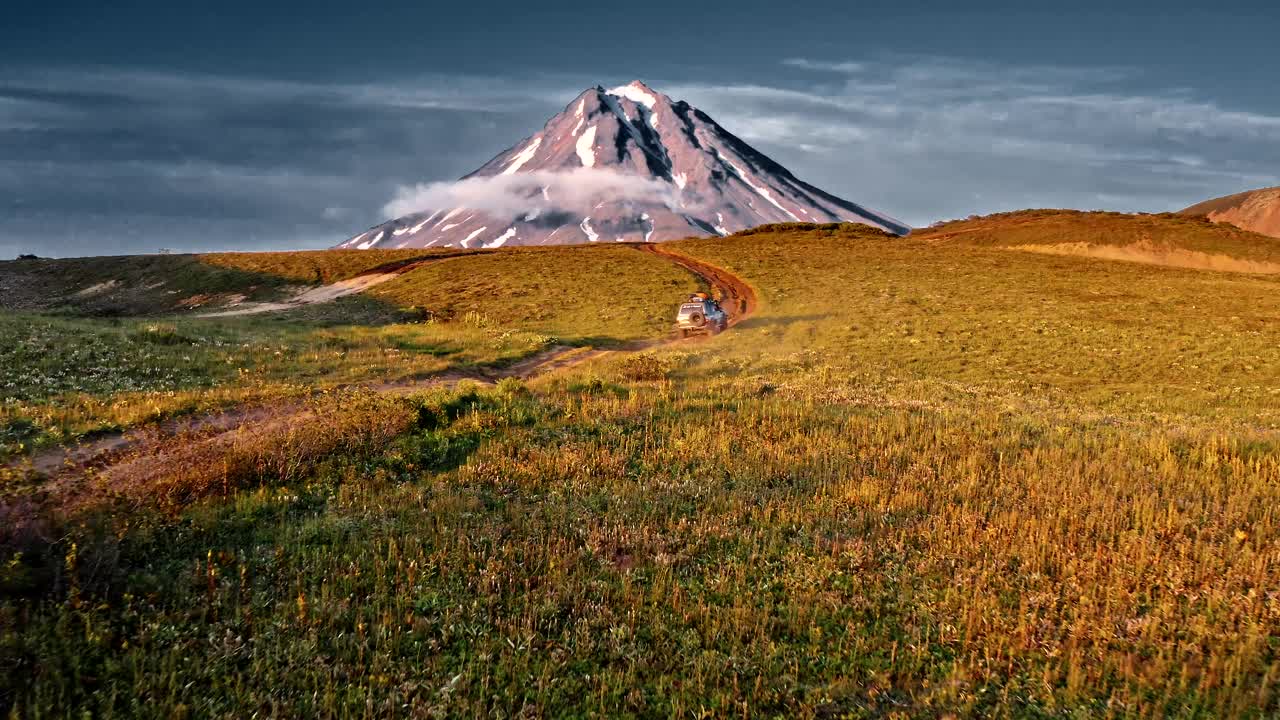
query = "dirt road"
{"x": 118, "y": 453}
{"x": 734, "y": 294}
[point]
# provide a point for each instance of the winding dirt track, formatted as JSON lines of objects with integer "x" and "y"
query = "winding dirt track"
{"x": 734, "y": 294}
{"x": 118, "y": 455}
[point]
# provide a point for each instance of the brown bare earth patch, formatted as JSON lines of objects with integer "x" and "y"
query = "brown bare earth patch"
{"x": 1153, "y": 255}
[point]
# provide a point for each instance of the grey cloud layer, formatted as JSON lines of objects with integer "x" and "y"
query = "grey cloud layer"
{"x": 574, "y": 191}
{"x": 936, "y": 138}
{"x": 105, "y": 160}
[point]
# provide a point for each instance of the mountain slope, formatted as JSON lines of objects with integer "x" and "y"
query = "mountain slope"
{"x": 1256, "y": 210}
{"x": 652, "y": 169}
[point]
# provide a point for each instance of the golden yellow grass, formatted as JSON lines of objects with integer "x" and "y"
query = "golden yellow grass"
{"x": 926, "y": 478}
{"x": 317, "y": 266}
{"x": 600, "y": 294}
{"x": 1145, "y": 252}
{"x": 1057, "y": 227}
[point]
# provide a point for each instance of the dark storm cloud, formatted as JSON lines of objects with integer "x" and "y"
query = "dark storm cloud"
{"x": 133, "y": 161}
{"x": 237, "y": 126}
{"x": 289, "y": 124}
{"x": 930, "y": 138}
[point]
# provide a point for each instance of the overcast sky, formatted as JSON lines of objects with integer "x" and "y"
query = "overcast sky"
{"x": 141, "y": 124}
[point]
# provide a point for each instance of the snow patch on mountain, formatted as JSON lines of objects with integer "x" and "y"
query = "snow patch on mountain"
{"x": 414, "y": 230}
{"x": 466, "y": 242}
{"x": 742, "y": 175}
{"x": 502, "y": 239}
{"x": 719, "y": 226}
{"x": 585, "y": 147}
{"x": 525, "y": 156}
{"x": 637, "y": 93}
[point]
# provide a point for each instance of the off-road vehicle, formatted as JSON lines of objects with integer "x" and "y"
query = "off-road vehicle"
{"x": 701, "y": 314}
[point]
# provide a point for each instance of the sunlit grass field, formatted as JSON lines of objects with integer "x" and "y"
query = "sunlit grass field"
{"x": 65, "y": 375}
{"x": 599, "y": 294}
{"x": 1058, "y": 334}
{"x": 161, "y": 284}
{"x": 924, "y": 479}
{"x": 62, "y": 379}
{"x": 1048, "y": 227}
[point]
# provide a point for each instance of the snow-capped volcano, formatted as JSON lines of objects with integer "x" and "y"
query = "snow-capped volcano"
{"x": 627, "y": 164}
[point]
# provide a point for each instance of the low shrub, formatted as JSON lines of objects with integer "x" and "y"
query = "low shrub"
{"x": 161, "y": 334}
{"x": 647, "y": 366}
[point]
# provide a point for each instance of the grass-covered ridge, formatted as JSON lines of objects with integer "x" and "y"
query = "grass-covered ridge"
{"x": 602, "y": 294}
{"x": 63, "y": 377}
{"x": 1106, "y": 229}
{"x": 160, "y": 284}
{"x": 319, "y": 266}
{"x": 924, "y": 479}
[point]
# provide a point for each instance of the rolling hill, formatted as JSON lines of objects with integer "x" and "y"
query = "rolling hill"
{"x": 945, "y": 474}
{"x": 1256, "y": 210}
{"x": 1172, "y": 240}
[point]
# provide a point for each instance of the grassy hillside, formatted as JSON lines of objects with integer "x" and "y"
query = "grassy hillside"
{"x": 64, "y": 377}
{"x": 161, "y": 284}
{"x": 1119, "y": 336}
{"x": 1256, "y": 210}
{"x": 1056, "y": 227}
{"x": 605, "y": 293}
{"x": 1228, "y": 202}
{"x": 319, "y": 266}
{"x": 926, "y": 479}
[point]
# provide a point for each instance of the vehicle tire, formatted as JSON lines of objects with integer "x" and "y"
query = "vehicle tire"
{"x": 697, "y": 319}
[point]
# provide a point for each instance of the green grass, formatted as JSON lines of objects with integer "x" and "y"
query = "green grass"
{"x": 62, "y": 379}
{"x": 1052, "y": 227}
{"x": 599, "y": 294}
{"x": 1116, "y": 337}
{"x": 160, "y": 284}
{"x": 926, "y": 479}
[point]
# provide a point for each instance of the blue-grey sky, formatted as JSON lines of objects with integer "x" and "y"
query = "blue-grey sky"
{"x": 141, "y": 124}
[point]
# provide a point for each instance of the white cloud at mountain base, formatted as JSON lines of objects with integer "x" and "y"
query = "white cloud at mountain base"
{"x": 574, "y": 191}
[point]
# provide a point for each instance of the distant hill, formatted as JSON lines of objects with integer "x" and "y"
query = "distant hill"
{"x": 1256, "y": 210}
{"x": 159, "y": 284}
{"x": 1174, "y": 240}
